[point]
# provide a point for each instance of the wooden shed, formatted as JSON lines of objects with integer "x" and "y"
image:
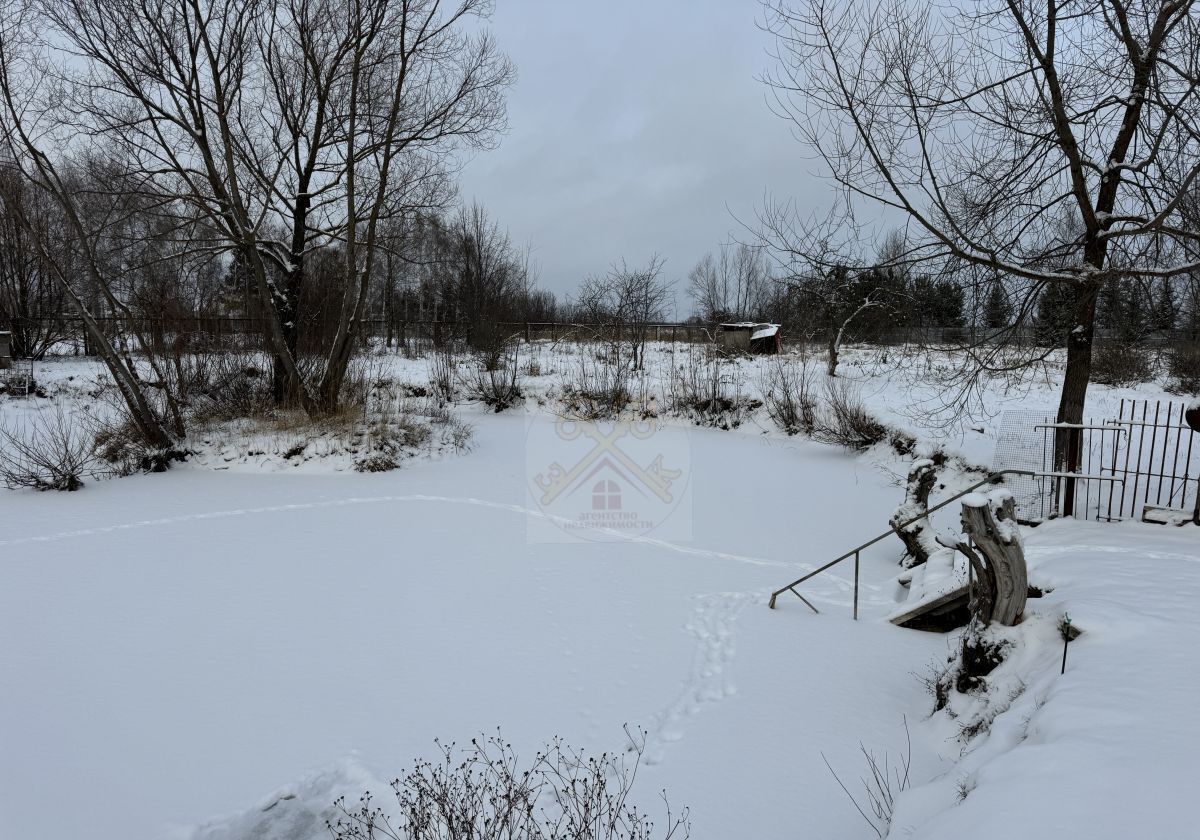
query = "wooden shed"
{"x": 749, "y": 337}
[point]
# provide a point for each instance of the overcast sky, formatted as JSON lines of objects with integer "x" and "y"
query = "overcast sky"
{"x": 636, "y": 127}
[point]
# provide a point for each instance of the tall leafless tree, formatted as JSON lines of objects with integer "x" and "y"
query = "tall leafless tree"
{"x": 287, "y": 126}
{"x": 81, "y": 271}
{"x": 1049, "y": 142}
{"x": 623, "y": 302}
{"x": 734, "y": 284}
{"x": 31, "y": 303}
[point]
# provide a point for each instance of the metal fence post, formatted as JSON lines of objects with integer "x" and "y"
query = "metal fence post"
{"x": 856, "y": 586}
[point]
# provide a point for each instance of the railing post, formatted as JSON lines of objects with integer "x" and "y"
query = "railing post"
{"x": 856, "y": 586}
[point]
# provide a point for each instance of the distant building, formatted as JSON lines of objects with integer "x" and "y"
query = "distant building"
{"x": 749, "y": 337}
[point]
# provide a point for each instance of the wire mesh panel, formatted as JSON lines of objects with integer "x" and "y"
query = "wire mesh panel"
{"x": 1021, "y": 446}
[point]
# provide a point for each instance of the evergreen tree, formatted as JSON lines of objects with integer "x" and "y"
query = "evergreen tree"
{"x": 1124, "y": 311}
{"x": 997, "y": 311}
{"x": 1055, "y": 315}
{"x": 949, "y": 304}
{"x": 1163, "y": 316}
{"x": 935, "y": 303}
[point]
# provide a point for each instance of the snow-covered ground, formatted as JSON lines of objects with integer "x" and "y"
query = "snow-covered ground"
{"x": 254, "y": 642}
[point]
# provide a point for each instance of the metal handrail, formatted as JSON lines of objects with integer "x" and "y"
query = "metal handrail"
{"x": 992, "y": 478}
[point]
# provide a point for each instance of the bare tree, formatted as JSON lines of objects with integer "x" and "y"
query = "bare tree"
{"x": 31, "y": 303}
{"x": 834, "y": 300}
{"x": 78, "y": 271}
{"x": 733, "y": 285}
{"x": 624, "y": 301}
{"x": 484, "y": 274}
{"x": 1051, "y": 143}
{"x": 288, "y": 127}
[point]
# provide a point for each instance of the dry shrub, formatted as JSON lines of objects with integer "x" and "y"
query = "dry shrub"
{"x": 443, "y": 371}
{"x": 883, "y": 782}
{"x": 458, "y": 435}
{"x": 366, "y": 385}
{"x": 117, "y": 439}
{"x": 1183, "y": 367}
{"x": 845, "y": 420}
{"x": 484, "y": 792}
{"x": 455, "y": 433}
{"x": 598, "y": 388}
{"x": 227, "y": 386}
{"x": 789, "y": 392}
{"x": 706, "y": 389}
{"x": 496, "y": 383}
{"x": 376, "y": 462}
{"x": 1122, "y": 364}
{"x": 50, "y": 452}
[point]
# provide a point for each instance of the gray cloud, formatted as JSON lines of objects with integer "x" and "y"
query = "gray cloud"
{"x": 636, "y": 128}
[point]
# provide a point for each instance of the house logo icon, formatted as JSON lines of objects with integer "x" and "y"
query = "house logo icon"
{"x": 606, "y": 495}
{"x": 598, "y": 481}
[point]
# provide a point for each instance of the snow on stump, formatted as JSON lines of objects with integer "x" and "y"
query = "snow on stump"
{"x": 998, "y": 558}
{"x": 941, "y": 594}
{"x": 910, "y": 521}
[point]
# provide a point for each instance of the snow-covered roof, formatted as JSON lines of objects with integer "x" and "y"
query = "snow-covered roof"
{"x": 760, "y": 329}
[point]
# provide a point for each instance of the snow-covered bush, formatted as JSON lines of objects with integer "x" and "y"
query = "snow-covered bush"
{"x": 50, "y": 452}
{"x": 597, "y": 388}
{"x": 496, "y": 382}
{"x": 376, "y": 462}
{"x": 484, "y": 792}
{"x": 498, "y": 388}
{"x": 845, "y": 420}
{"x": 789, "y": 392}
{"x": 457, "y": 434}
{"x": 706, "y": 388}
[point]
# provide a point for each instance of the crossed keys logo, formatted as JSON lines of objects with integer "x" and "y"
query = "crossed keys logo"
{"x": 557, "y": 480}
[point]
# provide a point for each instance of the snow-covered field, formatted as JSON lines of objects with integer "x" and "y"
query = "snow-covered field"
{"x": 219, "y": 653}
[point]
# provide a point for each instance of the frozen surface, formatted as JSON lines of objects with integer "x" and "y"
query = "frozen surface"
{"x": 253, "y": 642}
{"x": 179, "y": 645}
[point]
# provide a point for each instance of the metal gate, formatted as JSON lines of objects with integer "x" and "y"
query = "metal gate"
{"x": 1142, "y": 464}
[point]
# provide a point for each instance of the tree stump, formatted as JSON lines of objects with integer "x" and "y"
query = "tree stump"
{"x": 998, "y": 558}
{"x": 918, "y": 536}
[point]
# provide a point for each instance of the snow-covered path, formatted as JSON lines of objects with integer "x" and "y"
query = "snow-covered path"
{"x": 179, "y": 645}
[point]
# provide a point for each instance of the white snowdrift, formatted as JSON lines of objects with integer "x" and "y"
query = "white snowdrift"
{"x": 1106, "y": 750}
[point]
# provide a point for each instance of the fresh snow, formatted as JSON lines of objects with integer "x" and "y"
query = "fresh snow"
{"x": 217, "y": 654}
{"x": 1107, "y": 749}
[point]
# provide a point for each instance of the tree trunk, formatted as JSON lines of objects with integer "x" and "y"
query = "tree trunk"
{"x": 998, "y": 558}
{"x": 918, "y": 537}
{"x": 1078, "y": 373}
{"x": 287, "y": 388}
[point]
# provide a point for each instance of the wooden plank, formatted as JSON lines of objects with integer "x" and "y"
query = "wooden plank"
{"x": 942, "y": 603}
